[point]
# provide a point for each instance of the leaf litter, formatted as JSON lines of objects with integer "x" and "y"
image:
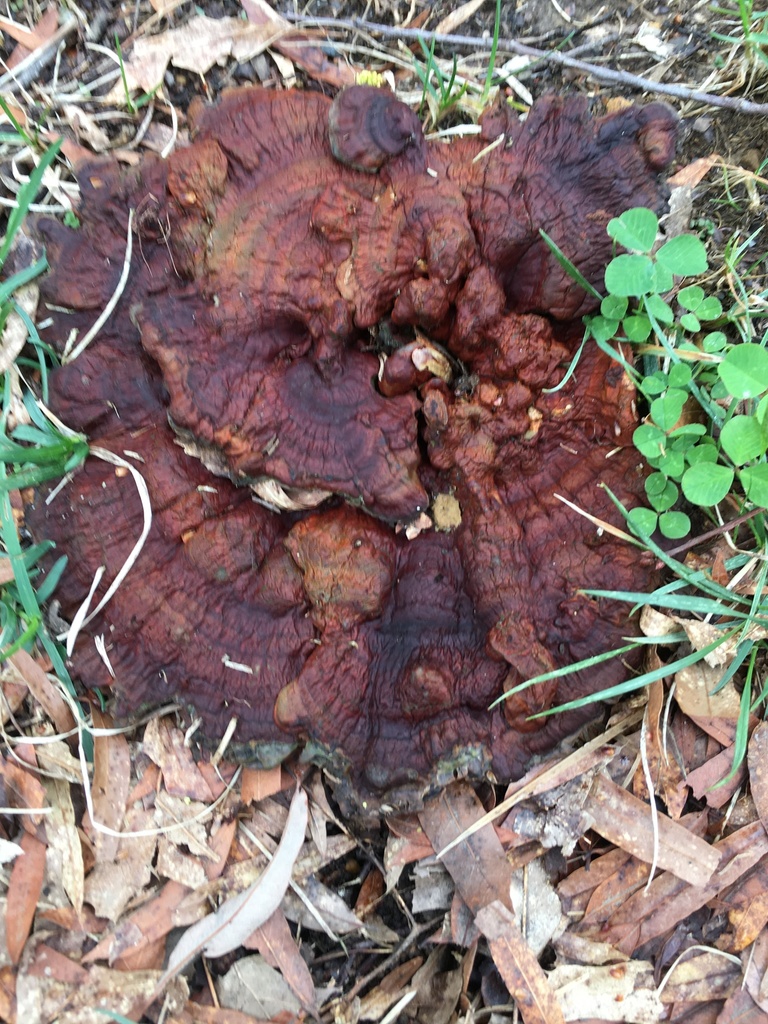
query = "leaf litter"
{"x": 637, "y": 845}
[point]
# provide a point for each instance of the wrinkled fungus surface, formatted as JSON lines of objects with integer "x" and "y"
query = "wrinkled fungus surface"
{"x": 330, "y": 364}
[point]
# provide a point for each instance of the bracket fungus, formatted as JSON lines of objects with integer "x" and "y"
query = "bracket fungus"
{"x": 333, "y": 365}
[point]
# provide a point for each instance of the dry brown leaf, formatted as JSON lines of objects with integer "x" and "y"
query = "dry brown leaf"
{"x": 28, "y": 41}
{"x": 694, "y": 694}
{"x": 663, "y": 767}
{"x": 44, "y": 691}
{"x": 392, "y": 987}
{"x": 756, "y": 973}
{"x": 258, "y": 783}
{"x": 705, "y": 780}
{"x": 61, "y": 832}
{"x": 631, "y": 874}
{"x": 147, "y": 786}
{"x": 328, "y": 905}
{"x": 404, "y": 849}
{"x": 164, "y": 744}
{"x": 740, "y": 1008}
{"x": 55, "y": 759}
{"x": 723, "y": 730}
{"x": 23, "y": 790}
{"x": 693, "y": 172}
{"x": 656, "y": 623}
{"x": 580, "y": 950}
{"x": 436, "y": 990}
{"x": 179, "y": 866}
{"x": 253, "y": 987}
{"x": 536, "y": 905}
{"x": 702, "y": 978}
{"x": 371, "y": 892}
{"x": 757, "y": 760}
{"x": 478, "y": 865}
{"x": 86, "y": 128}
{"x": 220, "y": 843}
{"x": 669, "y": 900}
{"x": 274, "y": 941}
{"x": 24, "y": 888}
{"x": 141, "y": 929}
{"x": 8, "y": 994}
{"x": 13, "y": 692}
{"x": 626, "y": 822}
{"x": 15, "y": 333}
{"x": 122, "y": 874}
{"x": 55, "y": 989}
{"x": 578, "y": 888}
{"x": 195, "y": 47}
{"x": 622, "y": 992}
{"x": 518, "y": 966}
{"x": 312, "y": 59}
{"x": 184, "y": 815}
{"x": 458, "y": 16}
{"x": 110, "y": 786}
{"x": 747, "y": 907}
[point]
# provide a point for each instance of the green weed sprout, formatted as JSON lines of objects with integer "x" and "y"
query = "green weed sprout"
{"x": 442, "y": 92}
{"x": 754, "y": 30}
{"x": 706, "y": 431}
{"x": 705, "y": 436}
{"x": 30, "y": 453}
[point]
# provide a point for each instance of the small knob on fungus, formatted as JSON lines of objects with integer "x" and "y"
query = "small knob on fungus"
{"x": 368, "y": 126}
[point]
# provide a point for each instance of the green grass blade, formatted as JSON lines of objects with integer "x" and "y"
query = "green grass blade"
{"x": 638, "y": 682}
{"x": 492, "y": 56}
{"x": 52, "y": 578}
{"x": 7, "y": 288}
{"x": 566, "y": 670}
{"x": 570, "y": 268}
{"x": 26, "y": 197}
{"x": 27, "y": 596}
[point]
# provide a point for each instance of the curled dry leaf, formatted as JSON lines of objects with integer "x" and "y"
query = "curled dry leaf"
{"x": 478, "y": 864}
{"x": 63, "y": 836}
{"x": 298, "y": 48}
{"x": 15, "y": 332}
{"x": 458, "y": 16}
{"x": 239, "y": 917}
{"x": 164, "y": 745}
{"x": 757, "y": 759}
{"x": 695, "y": 693}
{"x": 518, "y": 966}
{"x": 196, "y": 47}
{"x": 24, "y": 889}
{"x": 621, "y": 992}
{"x": 626, "y": 821}
{"x": 274, "y": 941}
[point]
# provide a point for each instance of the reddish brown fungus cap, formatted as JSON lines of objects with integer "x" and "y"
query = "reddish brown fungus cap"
{"x": 296, "y": 332}
{"x": 367, "y": 127}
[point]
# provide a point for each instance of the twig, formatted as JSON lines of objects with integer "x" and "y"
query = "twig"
{"x": 28, "y": 69}
{"x": 717, "y": 532}
{"x": 681, "y": 92}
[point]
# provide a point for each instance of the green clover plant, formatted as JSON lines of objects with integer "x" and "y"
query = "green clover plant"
{"x": 706, "y": 431}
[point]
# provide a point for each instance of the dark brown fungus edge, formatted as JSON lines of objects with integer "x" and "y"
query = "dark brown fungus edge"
{"x": 274, "y": 286}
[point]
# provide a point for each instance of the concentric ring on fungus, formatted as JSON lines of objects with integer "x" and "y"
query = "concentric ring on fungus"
{"x": 334, "y": 382}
